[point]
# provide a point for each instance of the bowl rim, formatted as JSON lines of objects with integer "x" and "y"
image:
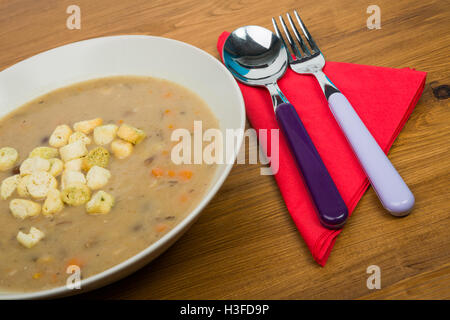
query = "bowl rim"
{"x": 89, "y": 283}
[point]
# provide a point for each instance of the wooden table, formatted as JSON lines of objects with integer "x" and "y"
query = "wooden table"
{"x": 245, "y": 245}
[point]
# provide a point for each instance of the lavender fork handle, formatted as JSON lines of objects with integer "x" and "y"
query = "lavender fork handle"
{"x": 392, "y": 191}
{"x": 330, "y": 206}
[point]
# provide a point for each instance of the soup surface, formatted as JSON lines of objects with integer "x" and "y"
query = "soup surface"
{"x": 152, "y": 194}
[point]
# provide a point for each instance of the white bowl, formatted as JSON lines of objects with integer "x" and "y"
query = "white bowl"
{"x": 128, "y": 55}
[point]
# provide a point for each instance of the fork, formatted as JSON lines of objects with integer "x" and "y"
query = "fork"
{"x": 389, "y": 186}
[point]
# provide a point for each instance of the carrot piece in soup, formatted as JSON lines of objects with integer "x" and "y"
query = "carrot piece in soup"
{"x": 54, "y": 278}
{"x": 185, "y": 175}
{"x": 171, "y": 173}
{"x": 75, "y": 262}
{"x": 157, "y": 172}
{"x": 161, "y": 227}
{"x": 184, "y": 198}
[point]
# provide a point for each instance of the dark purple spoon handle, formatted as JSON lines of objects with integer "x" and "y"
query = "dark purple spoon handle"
{"x": 330, "y": 206}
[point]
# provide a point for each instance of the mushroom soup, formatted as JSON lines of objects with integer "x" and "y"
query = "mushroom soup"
{"x": 87, "y": 178}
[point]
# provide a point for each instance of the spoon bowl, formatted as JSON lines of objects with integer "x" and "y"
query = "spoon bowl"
{"x": 255, "y": 55}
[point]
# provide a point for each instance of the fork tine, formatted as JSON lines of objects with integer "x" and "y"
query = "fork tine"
{"x": 278, "y": 33}
{"x": 308, "y": 37}
{"x": 294, "y": 47}
{"x": 297, "y": 35}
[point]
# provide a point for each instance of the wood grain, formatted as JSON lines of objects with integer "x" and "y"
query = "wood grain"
{"x": 245, "y": 245}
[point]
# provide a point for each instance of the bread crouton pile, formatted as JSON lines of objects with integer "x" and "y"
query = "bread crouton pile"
{"x": 79, "y": 169}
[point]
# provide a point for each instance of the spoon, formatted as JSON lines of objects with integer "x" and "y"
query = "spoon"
{"x": 257, "y": 57}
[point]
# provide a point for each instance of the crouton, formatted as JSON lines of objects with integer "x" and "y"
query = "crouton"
{"x": 44, "y": 153}
{"x": 73, "y": 150}
{"x": 105, "y": 134}
{"x": 22, "y": 186}
{"x": 35, "y": 164}
{"x": 80, "y": 136}
{"x": 53, "y": 204}
{"x": 9, "y": 185}
{"x": 30, "y": 239}
{"x": 70, "y": 177}
{"x": 96, "y": 157}
{"x": 56, "y": 167}
{"x": 22, "y": 209}
{"x": 121, "y": 149}
{"x": 39, "y": 184}
{"x": 97, "y": 177}
{"x": 74, "y": 165}
{"x": 8, "y": 158}
{"x": 87, "y": 126}
{"x": 60, "y": 137}
{"x": 130, "y": 134}
{"x": 101, "y": 203}
{"x": 76, "y": 194}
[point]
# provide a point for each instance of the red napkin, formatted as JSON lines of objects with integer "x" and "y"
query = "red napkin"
{"x": 383, "y": 98}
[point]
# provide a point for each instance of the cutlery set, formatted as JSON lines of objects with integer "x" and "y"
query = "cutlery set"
{"x": 257, "y": 57}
